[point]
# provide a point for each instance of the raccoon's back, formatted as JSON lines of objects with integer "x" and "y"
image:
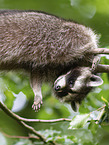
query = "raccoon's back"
{"x": 39, "y": 39}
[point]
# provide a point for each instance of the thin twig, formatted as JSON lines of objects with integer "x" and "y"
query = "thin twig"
{"x": 22, "y": 121}
{"x": 45, "y": 121}
{"x": 16, "y": 117}
{"x": 24, "y": 137}
{"x": 32, "y": 130}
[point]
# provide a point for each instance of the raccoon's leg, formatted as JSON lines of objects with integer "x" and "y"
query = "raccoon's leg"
{"x": 95, "y": 63}
{"x": 36, "y": 86}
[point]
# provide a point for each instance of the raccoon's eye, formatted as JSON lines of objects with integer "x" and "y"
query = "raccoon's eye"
{"x": 71, "y": 83}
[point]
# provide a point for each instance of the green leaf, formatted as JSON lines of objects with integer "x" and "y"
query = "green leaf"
{"x": 93, "y": 126}
{"x": 9, "y": 98}
{"x": 79, "y": 121}
{"x": 106, "y": 102}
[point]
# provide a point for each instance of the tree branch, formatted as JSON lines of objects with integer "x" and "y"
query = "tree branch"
{"x": 14, "y": 116}
{"x": 24, "y": 137}
{"x": 100, "y": 51}
{"x": 30, "y": 129}
{"x": 17, "y": 118}
{"x": 45, "y": 121}
{"x": 102, "y": 68}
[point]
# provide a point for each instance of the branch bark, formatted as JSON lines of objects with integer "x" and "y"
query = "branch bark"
{"x": 24, "y": 137}
{"x": 100, "y": 51}
{"x": 102, "y": 68}
{"x": 18, "y": 119}
{"x": 30, "y": 129}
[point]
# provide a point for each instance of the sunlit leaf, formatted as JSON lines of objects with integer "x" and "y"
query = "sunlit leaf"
{"x": 79, "y": 121}
{"x": 9, "y": 98}
{"x": 93, "y": 126}
{"x": 106, "y": 102}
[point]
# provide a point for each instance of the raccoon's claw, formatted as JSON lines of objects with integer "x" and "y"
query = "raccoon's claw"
{"x": 36, "y": 106}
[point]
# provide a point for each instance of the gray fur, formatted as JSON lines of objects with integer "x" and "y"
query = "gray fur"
{"x": 44, "y": 45}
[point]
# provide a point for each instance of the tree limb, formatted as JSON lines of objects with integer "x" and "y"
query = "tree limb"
{"x": 17, "y": 118}
{"x": 102, "y": 68}
{"x": 100, "y": 51}
{"x": 45, "y": 121}
{"x": 24, "y": 137}
{"x": 14, "y": 116}
{"x": 30, "y": 129}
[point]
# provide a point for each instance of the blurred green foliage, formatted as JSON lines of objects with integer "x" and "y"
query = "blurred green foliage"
{"x": 16, "y": 93}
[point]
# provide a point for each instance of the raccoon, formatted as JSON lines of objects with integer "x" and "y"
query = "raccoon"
{"x": 44, "y": 45}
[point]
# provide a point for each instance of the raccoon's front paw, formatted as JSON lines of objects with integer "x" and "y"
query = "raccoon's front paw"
{"x": 37, "y": 104}
{"x": 95, "y": 63}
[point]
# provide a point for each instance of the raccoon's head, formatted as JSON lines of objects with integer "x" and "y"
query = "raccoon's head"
{"x": 75, "y": 85}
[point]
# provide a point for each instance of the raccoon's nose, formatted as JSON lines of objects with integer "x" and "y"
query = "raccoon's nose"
{"x": 57, "y": 88}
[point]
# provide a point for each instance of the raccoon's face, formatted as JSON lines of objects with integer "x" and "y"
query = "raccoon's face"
{"x": 75, "y": 85}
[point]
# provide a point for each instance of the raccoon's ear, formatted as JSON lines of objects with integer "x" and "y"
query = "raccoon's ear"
{"x": 94, "y": 81}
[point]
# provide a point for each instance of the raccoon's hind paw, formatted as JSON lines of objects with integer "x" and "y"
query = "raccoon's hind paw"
{"x": 36, "y": 105}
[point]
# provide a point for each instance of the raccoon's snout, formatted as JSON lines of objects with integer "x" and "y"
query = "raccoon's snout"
{"x": 57, "y": 88}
